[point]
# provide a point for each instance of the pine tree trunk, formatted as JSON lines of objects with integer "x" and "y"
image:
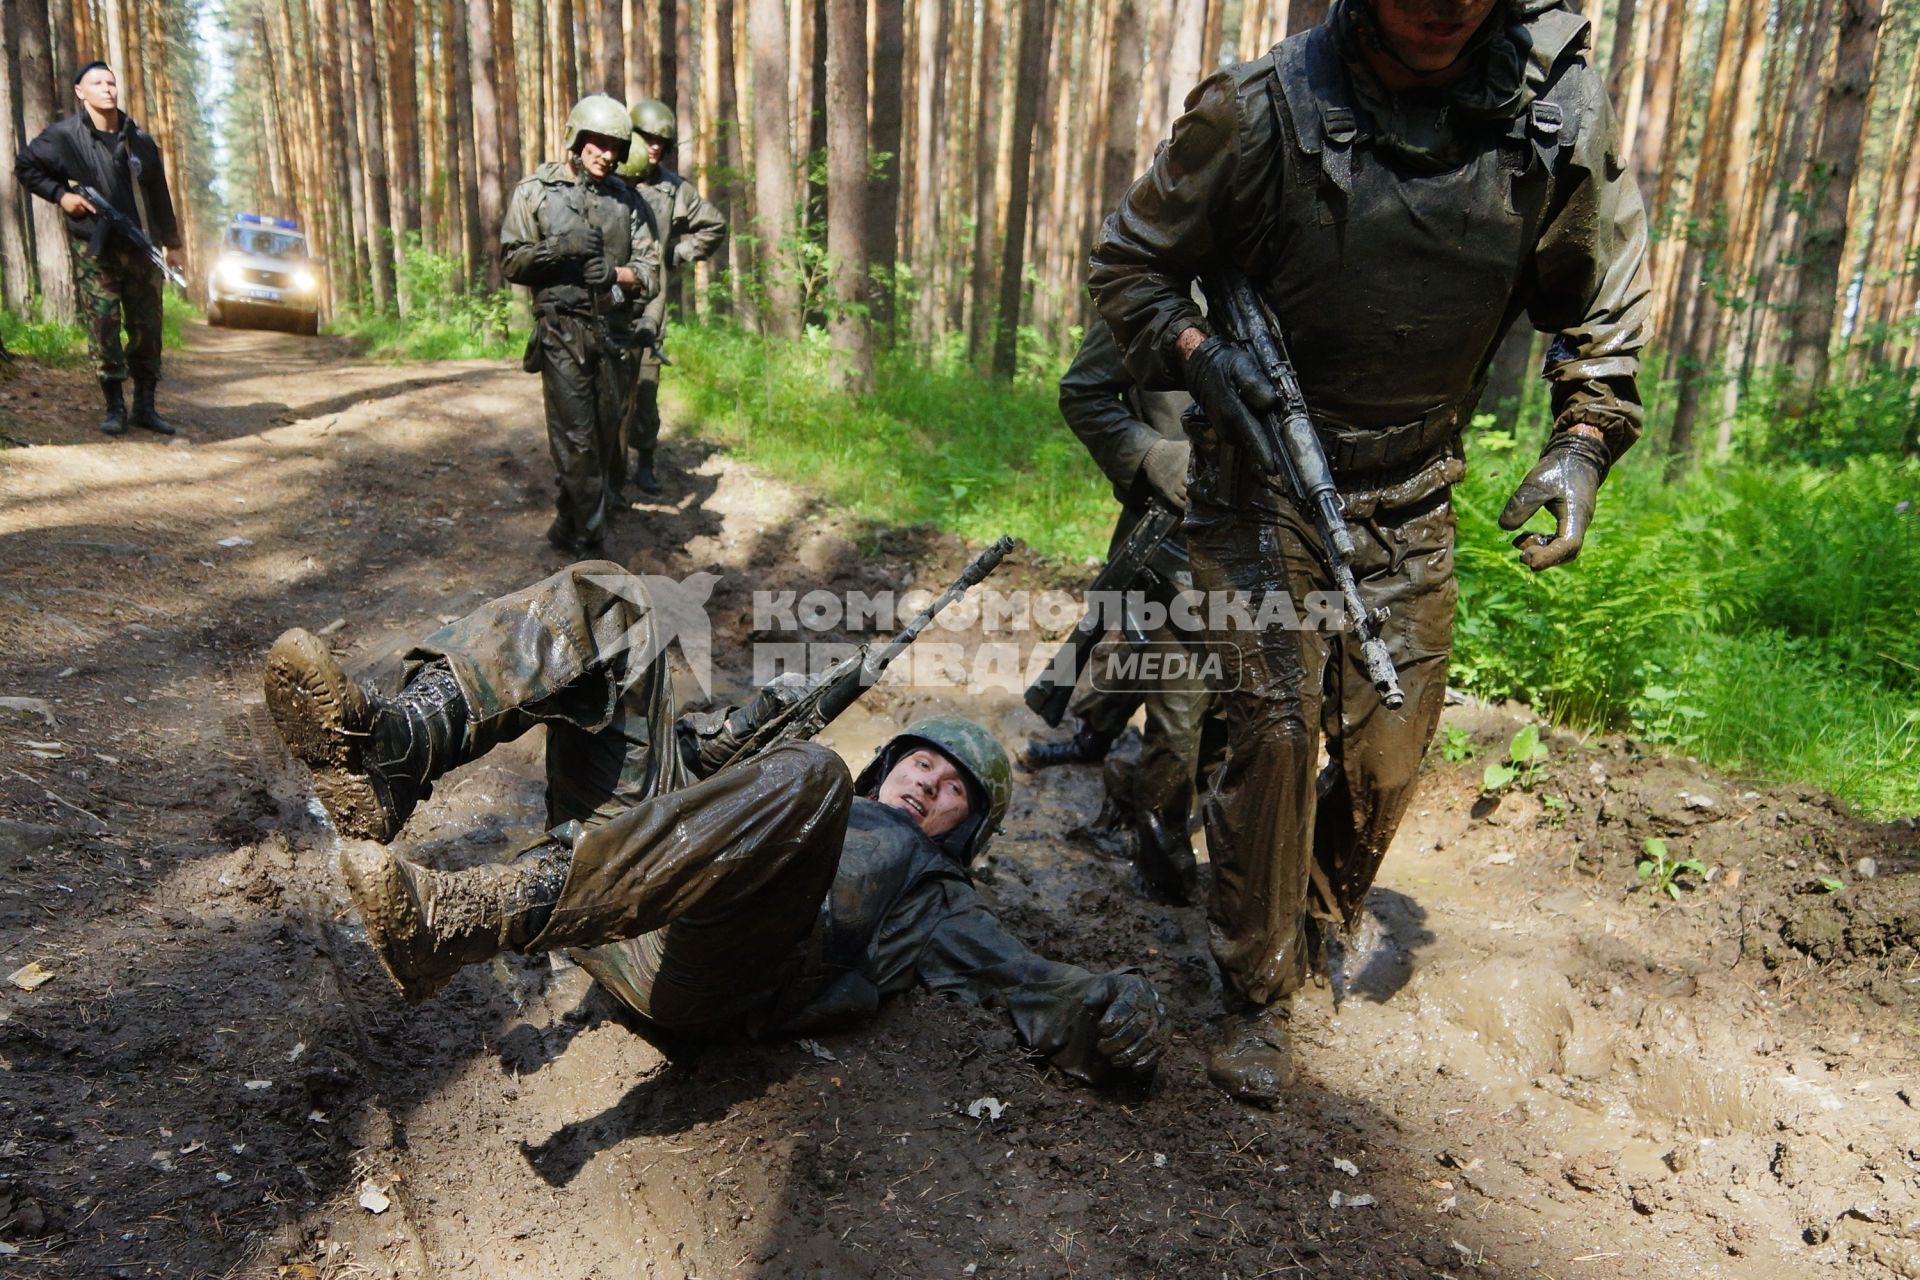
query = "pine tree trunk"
{"x": 980, "y": 291}
{"x": 929, "y": 95}
{"x": 1304, "y": 14}
{"x": 773, "y": 167}
{"x": 1029, "y": 58}
{"x": 1123, "y": 104}
{"x": 373, "y": 143}
{"x": 847, "y": 192}
{"x": 37, "y": 111}
{"x": 1836, "y": 158}
{"x": 16, "y": 258}
{"x": 883, "y": 195}
{"x": 506, "y": 68}
{"x": 486, "y": 140}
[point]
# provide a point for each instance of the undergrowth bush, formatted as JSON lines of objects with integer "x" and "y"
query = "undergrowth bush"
{"x": 441, "y": 319}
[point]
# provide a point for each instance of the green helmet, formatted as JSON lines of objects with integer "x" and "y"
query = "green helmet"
{"x": 652, "y": 116}
{"x": 597, "y": 113}
{"x": 977, "y": 754}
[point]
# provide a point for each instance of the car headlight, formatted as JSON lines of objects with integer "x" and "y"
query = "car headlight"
{"x": 231, "y": 274}
{"x": 304, "y": 281}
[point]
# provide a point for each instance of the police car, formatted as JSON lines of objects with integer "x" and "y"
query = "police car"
{"x": 264, "y": 272}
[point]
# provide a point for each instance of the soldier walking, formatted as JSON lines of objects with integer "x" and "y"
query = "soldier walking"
{"x": 1136, "y": 437}
{"x": 1400, "y": 184}
{"x": 691, "y": 229}
{"x": 578, "y": 239}
{"x": 101, "y": 146}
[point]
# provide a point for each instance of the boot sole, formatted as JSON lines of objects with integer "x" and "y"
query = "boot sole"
{"x": 387, "y": 908}
{"x": 315, "y": 706}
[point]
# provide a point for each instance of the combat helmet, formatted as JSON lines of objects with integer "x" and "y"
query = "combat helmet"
{"x": 655, "y": 118}
{"x": 981, "y": 760}
{"x": 598, "y": 114}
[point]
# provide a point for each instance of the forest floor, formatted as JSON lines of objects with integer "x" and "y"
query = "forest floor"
{"x": 1543, "y": 1070}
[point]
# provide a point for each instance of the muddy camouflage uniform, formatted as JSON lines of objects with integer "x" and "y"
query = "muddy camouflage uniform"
{"x": 691, "y": 229}
{"x": 1395, "y": 237}
{"x": 577, "y": 328}
{"x": 1119, "y": 422}
{"x": 764, "y": 898}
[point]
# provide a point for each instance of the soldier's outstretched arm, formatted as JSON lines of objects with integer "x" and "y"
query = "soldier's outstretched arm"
{"x": 1089, "y": 1025}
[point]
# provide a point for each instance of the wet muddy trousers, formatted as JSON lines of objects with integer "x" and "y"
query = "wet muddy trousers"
{"x": 687, "y": 897}
{"x": 1284, "y": 842}
{"x": 580, "y": 383}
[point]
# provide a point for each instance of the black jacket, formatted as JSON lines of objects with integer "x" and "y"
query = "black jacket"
{"x": 69, "y": 150}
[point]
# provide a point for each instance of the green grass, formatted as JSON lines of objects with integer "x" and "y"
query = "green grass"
{"x": 460, "y": 334}
{"x": 940, "y": 446}
{"x": 64, "y": 346}
{"x": 1760, "y": 616}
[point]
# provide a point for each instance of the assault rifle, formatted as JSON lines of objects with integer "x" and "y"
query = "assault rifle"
{"x": 1049, "y": 694}
{"x": 1288, "y": 447}
{"x": 112, "y": 219}
{"x": 841, "y": 685}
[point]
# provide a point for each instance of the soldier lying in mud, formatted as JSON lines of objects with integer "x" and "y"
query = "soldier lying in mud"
{"x": 775, "y": 896}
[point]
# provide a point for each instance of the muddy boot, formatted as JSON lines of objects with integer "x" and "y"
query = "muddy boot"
{"x": 1254, "y": 1059}
{"x": 1163, "y": 858}
{"x": 144, "y": 415}
{"x": 642, "y": 475}
{"x": 115, "y": 423}
{"x": 1086, "y": 746}
{"x": 373, "y": 760}
{"x": 428, "y": 925}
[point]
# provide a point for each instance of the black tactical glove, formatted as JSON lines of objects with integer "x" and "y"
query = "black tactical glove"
{"x": 1564, "y": 481}
{"x": 1165, "y": 469}
{"x": 598, "y": 272}
{"x": 581, "y": 242}
{"x": 1232, "y": 391}
{"x": 1133, "y": 1029}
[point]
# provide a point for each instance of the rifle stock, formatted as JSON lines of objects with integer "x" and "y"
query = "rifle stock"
{"x": 841, "y": 685}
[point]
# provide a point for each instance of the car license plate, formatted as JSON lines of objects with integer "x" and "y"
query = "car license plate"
{"x": 264, "y": 295}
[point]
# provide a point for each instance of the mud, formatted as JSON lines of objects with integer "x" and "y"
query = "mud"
{"x": 1543, "y": 1070}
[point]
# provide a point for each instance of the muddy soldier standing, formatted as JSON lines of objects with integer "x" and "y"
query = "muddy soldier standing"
{"x": 101, "y": 146}
{"x": 1136, "y": 437}
{"x": 691, "y": 230}
{"x": 582, "y": 244}
{"x": 1400, "y": 184}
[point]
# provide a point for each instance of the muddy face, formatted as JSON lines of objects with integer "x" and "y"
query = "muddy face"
{"x": 597, "y": 155}
{"x": 1427, "y": 36}
{"x": 928, "y": 788}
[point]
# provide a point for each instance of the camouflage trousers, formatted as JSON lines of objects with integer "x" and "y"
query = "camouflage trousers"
{"x": 119, "y": 287}
{"x": 688, "y": 897}
{"x": 1287, "y": 840}
{"x": 643, "y": 433}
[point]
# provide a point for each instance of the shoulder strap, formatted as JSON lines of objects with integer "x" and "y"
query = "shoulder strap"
{"x": 1310, "y": 89}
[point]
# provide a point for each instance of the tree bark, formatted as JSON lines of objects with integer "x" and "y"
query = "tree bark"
{"x": 16, "y": 256}
{"x": 980, "y": 290}
{"x": 1835, "y": 160}
{"x": 1030, "y": 61}
{"x": 883, "y": 196}
{"x": 847, "y": 192}
{"x": 487, "y": 150}
{"x": 773, "y": 168}
{"x": 1119, "y": 169}
{"x": 1188, "y": 36}
{"x": 36, "y": 113}
{"x": 373, "y": 146}
{"x": 929, "y": 95}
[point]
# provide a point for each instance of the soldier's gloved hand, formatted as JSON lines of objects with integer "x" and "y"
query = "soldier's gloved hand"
{"x": 598, "y": 272}
{"x": 1232, "y": 391}
{"x": 1133, "y": 1026}
{"x": 580, "y": 242}
{"x": 1165, "y": 467}
{"x": 1564, "y": 481}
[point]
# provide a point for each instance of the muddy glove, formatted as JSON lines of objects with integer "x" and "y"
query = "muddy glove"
{"x": 1133, "y": 1028}
{"x": 598, "y": 271}
{"x": 1232, "y": 392}
{"x": 1165, "y": 467}
{"x": 571, "y": 244}
{"x": 1564, "y": 481}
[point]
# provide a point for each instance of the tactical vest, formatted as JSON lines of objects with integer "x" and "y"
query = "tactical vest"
{"x": 1393, "y": 284}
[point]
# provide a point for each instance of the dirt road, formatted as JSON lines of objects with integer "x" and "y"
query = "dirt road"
{"x": 1544, "y": 1072}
